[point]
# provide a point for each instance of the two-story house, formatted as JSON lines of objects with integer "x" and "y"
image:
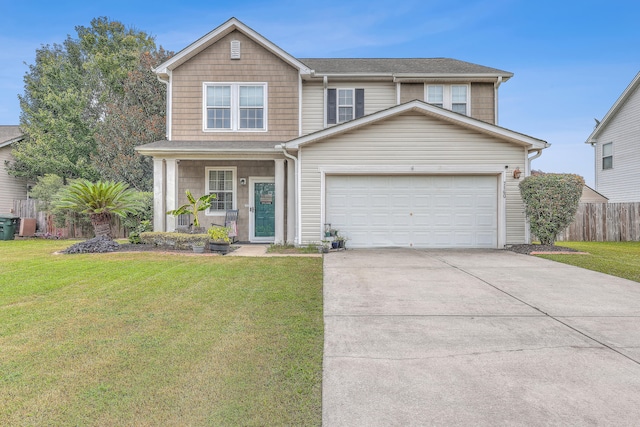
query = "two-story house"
{"x": 391, "y": 152}
{"x": 615, "y": 141}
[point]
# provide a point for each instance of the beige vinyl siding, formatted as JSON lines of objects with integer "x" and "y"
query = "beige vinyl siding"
{"x": 622, "y": 182}
{"x": 312, "y": 107}
{"x": 377, "y": 96}
{"x": 589, "y": 195}
{"x": 411, "y": 91}
{"x": 11, "y": 188}
{"x": 256, "y": 65}
{"x": 409, "y": 140}
{"x": 483, "y": 102}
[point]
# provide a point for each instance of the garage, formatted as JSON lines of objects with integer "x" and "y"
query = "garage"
{"x": 437, "y": 211}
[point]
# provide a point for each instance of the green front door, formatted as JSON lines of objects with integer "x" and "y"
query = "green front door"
{"x": 264, "y": 210}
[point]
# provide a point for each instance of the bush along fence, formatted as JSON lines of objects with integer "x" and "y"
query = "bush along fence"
{"x": 45, "y": 224}
{"x": 604, "y": 222}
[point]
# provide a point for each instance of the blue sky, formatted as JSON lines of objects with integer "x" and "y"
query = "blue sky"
{"x": 571, "y": 59}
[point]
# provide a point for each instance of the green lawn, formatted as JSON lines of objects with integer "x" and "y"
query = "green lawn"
{"x": 620, "y": 259}
{"x": 158, "y": 340}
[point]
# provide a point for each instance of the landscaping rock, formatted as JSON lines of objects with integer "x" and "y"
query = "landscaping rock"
{"x": 527, "y": 249}
{"x": 96, "y": 245}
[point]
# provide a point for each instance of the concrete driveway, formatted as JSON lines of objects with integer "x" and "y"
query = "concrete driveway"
{"x": 477, "y": 337}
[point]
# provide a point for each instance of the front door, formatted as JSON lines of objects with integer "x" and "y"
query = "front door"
{"x": 263, "y": 209}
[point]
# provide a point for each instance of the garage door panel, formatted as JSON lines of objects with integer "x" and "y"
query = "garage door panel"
{"x": 419, "y": 211}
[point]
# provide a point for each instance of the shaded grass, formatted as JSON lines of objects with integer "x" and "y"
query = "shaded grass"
{"x": 158, "y": 339}
{"x": 620, "y": 259}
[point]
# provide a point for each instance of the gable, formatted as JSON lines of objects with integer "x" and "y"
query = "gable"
{"x": 629, "y": 100}
{"x": 213, "y": 64}
{"x": 427, "y": 112}
{"x": 222, "y": 31}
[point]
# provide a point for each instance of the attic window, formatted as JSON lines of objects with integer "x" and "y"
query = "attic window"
{"x": 235, "y": 49}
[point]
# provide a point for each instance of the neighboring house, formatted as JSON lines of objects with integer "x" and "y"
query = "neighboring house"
{"x": 391, "y": 152}
{"x": 616, "y": 140}
{"x": 589, "y": 195}
{"x": 11, "y": 188}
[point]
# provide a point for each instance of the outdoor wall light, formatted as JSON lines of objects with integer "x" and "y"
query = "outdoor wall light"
{"x": 243, "y": 181}
{"x": 516, "y": 173}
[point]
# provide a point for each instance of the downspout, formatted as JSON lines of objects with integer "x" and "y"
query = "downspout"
{"x": 298, "y": 238}
{"x": 168, "y": 103}
{"x": 325, "y": 83}
{"x": 496, "y": 85}
{"x": 530, "y": 159}
{"x": 528, "y": 173}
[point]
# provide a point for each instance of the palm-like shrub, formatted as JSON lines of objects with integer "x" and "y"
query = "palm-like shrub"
{"x": 194, "y": 206}
{"x": 100, "y": 200}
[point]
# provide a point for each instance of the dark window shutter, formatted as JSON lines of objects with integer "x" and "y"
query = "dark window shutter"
{"x": 359, "y": 103}
{"x": 331, "y": 106}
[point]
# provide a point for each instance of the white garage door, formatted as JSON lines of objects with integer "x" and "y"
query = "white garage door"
{"x": 418, "y": 211}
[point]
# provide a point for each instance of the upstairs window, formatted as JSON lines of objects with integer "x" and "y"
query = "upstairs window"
{"x": 451, "y": 97}
{"x": 235, "y": 107}
{"x": 344, "y": 105}
{"x": 607, "y": 156}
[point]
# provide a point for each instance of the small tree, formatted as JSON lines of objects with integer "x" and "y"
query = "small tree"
{"x": 194, "y": 206}
{"x": 100, "y": 201}
{"x": 551, "y": 202}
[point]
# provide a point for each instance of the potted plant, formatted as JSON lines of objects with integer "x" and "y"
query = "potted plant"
{"x": 341, "y": 241}
{"x": 219, "y": 239}
{"x": 193, "y": 207}
{"x": 199, "y": 244}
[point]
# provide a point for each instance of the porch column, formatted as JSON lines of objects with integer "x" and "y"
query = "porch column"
{"x": 291, "y": 202}
{"x": 158, "y": 195}
{"x": 279, "y": 208}
{"x": 171, "y": 193}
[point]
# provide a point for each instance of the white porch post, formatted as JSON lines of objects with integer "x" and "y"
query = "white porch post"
{"x": 291, "y": 202}
{"x": 158, "y": 195}
{"x": 279, "y": 208}
{"x": 171, "y": 193}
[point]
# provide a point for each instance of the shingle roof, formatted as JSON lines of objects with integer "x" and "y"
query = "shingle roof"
{"x": 398, "y": 65}
{"x": 198, "y": 146}
{"x": 9, "y": 133}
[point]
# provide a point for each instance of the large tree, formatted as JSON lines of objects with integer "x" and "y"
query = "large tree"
{"x": 66, "y": 94}
{"x": 134, "y": 117}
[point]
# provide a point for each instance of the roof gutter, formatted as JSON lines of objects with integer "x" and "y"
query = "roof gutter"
{"x": 298, "y": 238}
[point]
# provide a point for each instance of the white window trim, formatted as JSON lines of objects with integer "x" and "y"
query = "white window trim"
{"x": 602, "y": 156}
{"x": 234, "y": 170}
{"x": 353, "y": 103}
{"x": 447, "y": 101}
{"x": 235, "y": 106}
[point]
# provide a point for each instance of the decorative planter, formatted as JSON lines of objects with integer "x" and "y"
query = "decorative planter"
{"x": 221, "y": 247}
{"x": 198, "y": 249}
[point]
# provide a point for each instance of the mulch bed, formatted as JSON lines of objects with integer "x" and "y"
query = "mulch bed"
{"x": 537, "y": 249}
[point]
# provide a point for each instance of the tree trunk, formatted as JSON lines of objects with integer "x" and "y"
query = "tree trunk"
{"x": 102, "y": 224}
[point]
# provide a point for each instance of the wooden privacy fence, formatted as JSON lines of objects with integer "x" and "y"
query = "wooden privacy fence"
{"x": 604, "y": 222}
{"x": 46, "y": 226}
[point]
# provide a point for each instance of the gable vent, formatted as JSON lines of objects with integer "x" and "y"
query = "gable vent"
{"x": 235, "y": 49}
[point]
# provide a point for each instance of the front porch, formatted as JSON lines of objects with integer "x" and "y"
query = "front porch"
{"x": 262, "y": 190}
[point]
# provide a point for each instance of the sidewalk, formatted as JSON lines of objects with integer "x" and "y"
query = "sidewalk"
{"x": 256, "y": 250}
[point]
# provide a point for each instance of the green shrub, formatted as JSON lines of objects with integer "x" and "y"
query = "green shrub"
{"x": 173, "y": 240}
{"x": 551, "y": 202}
{"x": 134, "y": 235}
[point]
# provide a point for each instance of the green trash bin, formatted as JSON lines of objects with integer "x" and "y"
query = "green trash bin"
{"x": 8, "y": 224}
